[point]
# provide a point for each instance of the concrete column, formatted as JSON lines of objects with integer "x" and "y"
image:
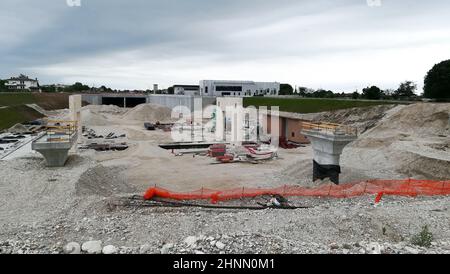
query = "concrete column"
{"x": 75, "y": 112}
{"x": 55, "y": 153}
{"x": 327, "y": 148}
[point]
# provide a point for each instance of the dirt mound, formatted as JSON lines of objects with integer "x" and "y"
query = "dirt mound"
{"x": 105, "y": 109}
{"x": 100, "y": 115}
{"x": 422, "y": 167}
{"x": 404, "y": 123}
{"x": 409, "y": 140}
{"x": 361, "y": 118}
{"x": 149, "y": 113}
{"x": 418, "y": 119}
{"x": 103, "y": 181}
{"x": 91, "y": 118}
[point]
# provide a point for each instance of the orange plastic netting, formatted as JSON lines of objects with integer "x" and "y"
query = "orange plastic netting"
{"x": 408, "y": 187}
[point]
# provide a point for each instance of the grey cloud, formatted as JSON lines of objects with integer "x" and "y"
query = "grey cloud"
{"x": 47, "y": 32}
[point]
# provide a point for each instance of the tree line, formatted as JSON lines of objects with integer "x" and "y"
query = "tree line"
{"x": 436, "y": 86}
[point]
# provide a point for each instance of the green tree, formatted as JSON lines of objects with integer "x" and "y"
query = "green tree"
{"x": 50, "y": 88}
{"x": 171, "y": 90}
{"x": 302, "y": 91}
{"x": 437, "y": 82}
{"x": 286, "y": 89}
{"x": 372, "y": 93}
{"x": 3, "y": 85}
{"x": 355, "y": 95}
{"x": 77, "y": 87}
{"x": 406, "y": 90}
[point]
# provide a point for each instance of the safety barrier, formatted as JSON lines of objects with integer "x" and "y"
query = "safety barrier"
{"x": 60, "y": 130}
{"x": 330, "y": 128}
{"x": 408, "y": 187}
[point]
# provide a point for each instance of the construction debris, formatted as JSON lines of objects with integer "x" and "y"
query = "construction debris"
{"x": 106, "y": 146}
{"x": 91, "y": 134}
{"x": 138, "y": 201}
{"x": 44, "y": 209}
{"x": 245, "y": 153}
{"x": 149, "y": 126}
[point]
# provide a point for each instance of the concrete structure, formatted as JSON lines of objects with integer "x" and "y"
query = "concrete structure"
{"x": 75, "y": 111}
{"x": 155, "y": 88}
{"x": 22, "y": 83}
{"x": 55, "y": 147}
{"x": 191, "y": 90}
{"x": 328, "y": 141}
{"x": 221, "y": 88}
{"x": 132, "y": 100}
{"x": 290, "y": 127}
{"x": 230, "y": 118}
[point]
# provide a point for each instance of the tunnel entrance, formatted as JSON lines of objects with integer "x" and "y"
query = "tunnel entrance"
{"x": 128, "y": 102}
{"x": 117, "y": 101}
{"x": 131, "y": 102}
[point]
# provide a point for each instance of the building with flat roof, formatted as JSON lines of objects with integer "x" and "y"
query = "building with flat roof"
{"x": 186, "y": 90}
{"x": 220, "y": 88}
{"x": 22, "y": 82}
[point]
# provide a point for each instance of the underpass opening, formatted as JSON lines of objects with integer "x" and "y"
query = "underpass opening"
{"x": 131, "y": 102}
{"x": 117, "y": 101}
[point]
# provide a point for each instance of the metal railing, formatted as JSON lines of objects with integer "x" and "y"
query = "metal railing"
{"x": 336, "y": 129}
{"x": 60, "y": 130}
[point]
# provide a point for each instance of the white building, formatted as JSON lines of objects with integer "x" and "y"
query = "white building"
{"x": 22, "y": 82}
{"x": 221, "y": 88}
{"x": 186, "y": 90}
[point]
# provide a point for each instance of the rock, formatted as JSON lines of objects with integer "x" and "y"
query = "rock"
{"x": 346, "y": 246}
{"x": 220, "y": 245}
{"x": 72, "y": 248}
{"x": 144, "y": 248}
{"x": 190, "y": 240}
{"x": 374, "y": 248}
{"x": 109, "y": 249}
{"x": 165, "y": 249}
{"x": 334, "y": 246}
{"x": 92, "y": 247}
{"x": 411, "y": 250}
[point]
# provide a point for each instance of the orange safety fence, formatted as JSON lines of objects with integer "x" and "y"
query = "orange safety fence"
{"x": 408, "y": 187}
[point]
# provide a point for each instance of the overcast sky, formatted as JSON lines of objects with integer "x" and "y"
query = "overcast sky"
{"x": 131, "y": 44}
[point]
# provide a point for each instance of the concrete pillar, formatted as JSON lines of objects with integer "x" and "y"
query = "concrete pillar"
{"x": 327, "y": 148}
{"x": 55, "y": 153}
{"x": 75, "y": 112}
{"x": 54, "y": 157}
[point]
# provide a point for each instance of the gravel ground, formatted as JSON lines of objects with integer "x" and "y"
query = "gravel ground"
{"x": 32, "y": 223}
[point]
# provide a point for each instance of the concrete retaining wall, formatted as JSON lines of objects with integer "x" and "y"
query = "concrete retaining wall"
{"x": 169, "y": 101}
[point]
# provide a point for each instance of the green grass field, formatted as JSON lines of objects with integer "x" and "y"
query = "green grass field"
{"x": 17, "y": 114}
{"x": 302, "y": 105}
{"x": 16, "y": 110}
{"x": 48, "y": 101}
{"x": 16, "y": 99}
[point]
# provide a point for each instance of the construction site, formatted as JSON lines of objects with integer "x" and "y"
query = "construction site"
{"x": 108, "y": 179}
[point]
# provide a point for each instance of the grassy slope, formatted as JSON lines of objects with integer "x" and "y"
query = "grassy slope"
{"x": 302, "y": 105}
{"x": 17, "y": 112}
{"x": 48, "y": 101}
